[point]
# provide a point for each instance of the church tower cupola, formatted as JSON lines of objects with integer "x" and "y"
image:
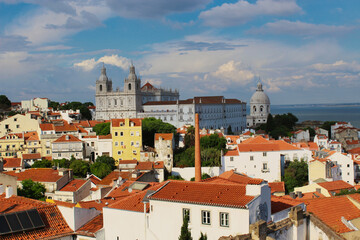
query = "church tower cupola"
{"x": 132, "y": 82}
{"x": 103, "y": 84}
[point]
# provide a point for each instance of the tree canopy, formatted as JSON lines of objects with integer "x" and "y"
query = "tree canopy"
{"x": 5, "y": 103}
{"x": 296, "y": 175}
{"x": 42, "y": 164}
{"x": 83, "y": 107}
{"x": 102, "y": 128}
{"x": 31, "y": 189}
{"x": 80, "y": 168}
{"x": 280, "y": 125}
{"x": 150, "y": 126}
{"x": 185, "y": 234}
{"x": 100, "y": 169}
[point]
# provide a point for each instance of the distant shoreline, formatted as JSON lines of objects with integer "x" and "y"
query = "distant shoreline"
{"x": 319, "y": 105}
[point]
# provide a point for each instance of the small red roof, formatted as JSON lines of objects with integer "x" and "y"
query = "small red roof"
{"x": 74, "y": 185}
{"x": 164, "y": 136}
{"x": 28, "y": 156}
{"x": 116, "y": 122}
{"x": 232, "y": 153}
{"x": 336, "y": 186}
{"x": 280, "y": 203}
{"x": 91, "y": 227}
{"x": 47, "y": 127}
{"x": 37, "y": 174}
{"x": 67, "y": 138}
{"x": 12, "y": 162}
{"x": 277, "y": 187}
{"x": 230, "y": 195}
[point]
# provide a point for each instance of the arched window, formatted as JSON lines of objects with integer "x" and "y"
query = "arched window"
{"x": 261, "y": 108}
{"x": 129, "y": 86}
{"x": 254, "y": 108}
{"x": 100, "y": 87}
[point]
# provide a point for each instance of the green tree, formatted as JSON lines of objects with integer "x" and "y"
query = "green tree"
{"x": 42, "y": 164}
{"x": 31, "y": 189}
{"x": 203, "y": 176}
{"x": 102, "y": 128}
{"x": 311, "y": 131}
{"x": 150, "y": 126}
{"x": 203, "y": 236}
{"x": 189, "y": 138}
{"x": 296, "y": 175}
{"x": 229, "y": 130}
{"x": 327, "y": 126}
{"x": 54, "y": 105}
{"x": 5, "y": 103}
{"x": 62, "y": 163}
{"x": 100, "y": 169}
{"x": 83, "y": 107}
{"x": 107, "y": 160}
{"x": 80, "y": 168}
{"x": 185, "y": 234}
{"x": 85, "y": 113}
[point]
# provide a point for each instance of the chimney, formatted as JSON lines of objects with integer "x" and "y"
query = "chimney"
{"x": 197, "y": 150}
{"x": 1, "y": 189}
{"x": 8, "y": 191}
{"x": 299, "y": 193}
{"x": 292, "y": 195}
{"x": 318, "y": 190}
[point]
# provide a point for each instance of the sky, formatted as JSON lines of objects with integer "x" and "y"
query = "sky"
{"x": 302, "y": 51}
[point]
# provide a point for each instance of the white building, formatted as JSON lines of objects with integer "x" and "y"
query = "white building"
{"x": 261, "y": 158}
{"x": 35, "y": 104}
{"x": 259, "y": 107}
{"x": 215, "y": 112}
{"x": 67, "y": 146}
{"x": 74, "y": 191}
{"x": 301, "y": 136}
{"x": 112, "y": 104}
{"x": 164, "y": 146}
{"x": 322, "y": 141}
{"x": 211, "y": 207}
{"x": 339, "y": 125}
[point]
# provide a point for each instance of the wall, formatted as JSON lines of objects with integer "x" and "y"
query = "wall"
{"x": 189, "y": 172}
{"x": 238, "y": 220}
{"x": 6, "y": 180}
{"x": 77, "y": 217}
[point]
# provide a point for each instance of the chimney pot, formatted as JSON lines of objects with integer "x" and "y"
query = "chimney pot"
{"x": 9, "y": 191}
{"x": 292, "y": 195}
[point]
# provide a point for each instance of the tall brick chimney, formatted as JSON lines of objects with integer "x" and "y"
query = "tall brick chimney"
{"x": 197, "y": 150}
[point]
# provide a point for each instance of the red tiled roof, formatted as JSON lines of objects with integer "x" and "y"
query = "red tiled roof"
{"x": 55, "y": 224}
{"x": 240, "y": 178}
{"x": 91, "y": 227}
{"x": 260, "y": 144}
{"x": 331, "y": 210}
{"x": 336, "y": 185}
{"x": 67, "y": 138}
{"x": 134, "y": 202}
{"x": 164, "y": 136}
{"x": 37, "y": 174}
{"x": 232, "y": 153}
{"x": 144, "y": 166}
{"x": 353, "y": 142}
{"x": 27, "y": 156}
{"x": 94, "y": 179}
{"x": 105, "y": 136}
{"x": 47, "y": 126}
{"x": 64, "y": 204}
{"x": 280, "y": 203}
{"x": 277, "y": 187}
{"x": 116, "y": 122}
{"x": 158, "y": 165}
{"x": 148, "y": 86}
{"x": 231, "y": 195}
{"x": 66, "y": 128}
{"x": 12, "y": 162}
{"x": 108, "y": 180}
{"x": 354, "y": 151}
{"x": 74, "y": 185}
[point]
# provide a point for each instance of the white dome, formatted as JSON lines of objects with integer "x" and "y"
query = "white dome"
{"x": 259, "y": 96}
{"x": 103, "y": 76}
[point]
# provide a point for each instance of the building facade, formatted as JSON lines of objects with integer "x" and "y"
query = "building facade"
{"x": 259, "y": 107}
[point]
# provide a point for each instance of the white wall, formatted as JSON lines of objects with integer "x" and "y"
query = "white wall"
{"x": 77, "y": 217}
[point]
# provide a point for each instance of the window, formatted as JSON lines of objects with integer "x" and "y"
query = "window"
{"x": 121, "y": 134}
{"x": 168, "y": 155}
{"x": 59, "y": 154}
{"x": 186, "y": 211}
{"x": 122, "y": 143}
{"x": 15, "y": 119}
{"x": 348, "y": 165}
{"x": 119, "y": 152}
{"x": 264, "y": 154}
{"x": 224, "y": 219}
{"x": 251, "y": 158}
{"x": 18, "y": 126}
{"x": 231, "y": 159}
{"x": 265, "y": 166}
{"x": 92, "y": 144}
{"x": 134, "y": 151}
{"x": 47, "y": 151}
{"x": 132, "y": 143}
{"x": 205, "y": 217}
{"x": 116, "y": 133}
{"x": 116, "y": 143}
{"x": 6, "y": 126}
{"x": 131, "y": 133}
{"x": 137, "y": 133}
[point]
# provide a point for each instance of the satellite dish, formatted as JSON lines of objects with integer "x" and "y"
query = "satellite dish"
{"x": 129, "y": 190}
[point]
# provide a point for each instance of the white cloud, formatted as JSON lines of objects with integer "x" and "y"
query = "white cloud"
{"x": 233, "y": 72}
{"x": 115, "y": 60}
{"x": 299, "y": 28}
{"x": 338, "y": 66}
{"x": 232, "y": 14}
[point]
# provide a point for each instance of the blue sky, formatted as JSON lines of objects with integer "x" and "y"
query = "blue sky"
{"x": 302, "y": 51}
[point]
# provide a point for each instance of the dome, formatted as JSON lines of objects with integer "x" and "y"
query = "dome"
{"x": 259, "y": 96}
{"x": 103, "y": 76}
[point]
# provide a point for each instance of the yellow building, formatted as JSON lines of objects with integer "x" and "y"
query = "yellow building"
{"x": 126, "y": 139}
{"x": 16, "y": 144}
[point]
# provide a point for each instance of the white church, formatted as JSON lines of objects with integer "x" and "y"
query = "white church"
{"x": 215, "y": 112}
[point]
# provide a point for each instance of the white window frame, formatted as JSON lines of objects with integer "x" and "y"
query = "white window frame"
{"x": 205, "y": 217}
{"x": 186, "y": 210}
{"x": 224, "y": 219}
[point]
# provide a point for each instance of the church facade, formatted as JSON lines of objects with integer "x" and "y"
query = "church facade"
{"x": 128, "y": 103}
{"x": 259, "y": 107}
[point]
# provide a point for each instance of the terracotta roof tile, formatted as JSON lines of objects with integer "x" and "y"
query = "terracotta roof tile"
{"x": 240, "y": 178}
{"x": 232, "y": 153}
{"x": 233, "y": 195}
{"x": 74, "y": 185}
{"x": 28, "y": 156}
{"x": 164, "y": 136}
{"x": 37, "y": 174}
{"x": 67, "y": 138}
{"x": 47, "y": 127}
{"x": 90, "y": 228}
{"x": 12, "y": 162}
{"x": 116, "y": 122}
{"x": 277, "y": 187}
{"x": 336, "y": 186}
{"x": 331, "y": 210}
{"x": 66, "y": 128}
{"x": 280, "y": 203}
{"x": 108, "y": 180}
{"x": 144, "y": 166}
